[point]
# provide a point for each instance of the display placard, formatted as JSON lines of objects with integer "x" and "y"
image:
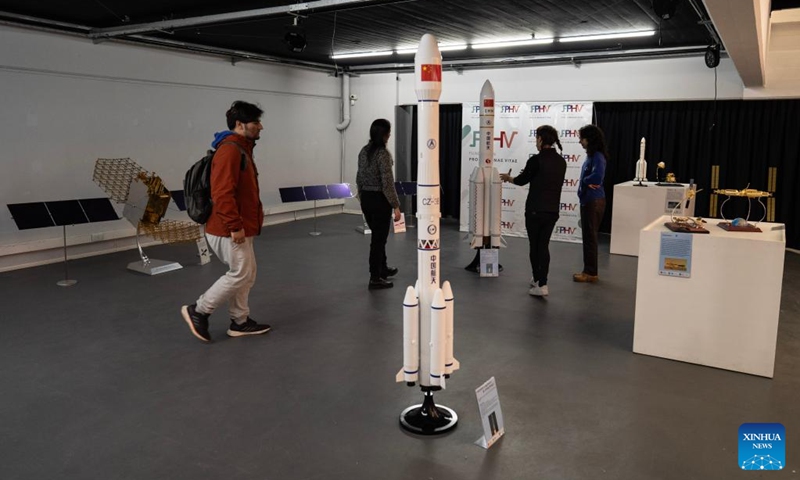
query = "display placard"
{"x": 491, "y": 414}
{"x": 675, "y": 256}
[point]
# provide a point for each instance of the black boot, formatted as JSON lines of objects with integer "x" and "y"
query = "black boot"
{"x": 389, "y": 271}
{"x": 379, "y": 283}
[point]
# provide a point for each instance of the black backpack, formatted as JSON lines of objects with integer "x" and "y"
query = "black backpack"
{"x": 197, "y": 185}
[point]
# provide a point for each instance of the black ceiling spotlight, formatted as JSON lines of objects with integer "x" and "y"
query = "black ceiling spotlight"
{"x": 712, "y": 56}
{"x": 665, "y": 8}
{"x": 295, "y": 38}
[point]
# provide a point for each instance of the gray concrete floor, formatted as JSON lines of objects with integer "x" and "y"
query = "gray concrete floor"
{"x": 104, "y": 381}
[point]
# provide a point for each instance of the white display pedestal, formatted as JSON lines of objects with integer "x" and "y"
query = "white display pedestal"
{"x": 726, "y": 314}
{"x": 635, "y": 207}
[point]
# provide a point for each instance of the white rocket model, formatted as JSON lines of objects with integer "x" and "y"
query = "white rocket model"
{"x": 428, "y": 309}
{"x": 485, "y": 186}
{"x": 641, "y": 164}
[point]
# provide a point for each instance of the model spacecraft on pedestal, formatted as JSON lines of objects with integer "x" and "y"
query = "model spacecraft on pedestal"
{"x": 428, "y": 309}
{"x": 641, "y": 165}
{"x": 146, "y": 201}
{"x": 485, "y": 186}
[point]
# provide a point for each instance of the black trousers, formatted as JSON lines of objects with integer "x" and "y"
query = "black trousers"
{"x": 591, "y": 216}
{"x": 540, "y": 227}
{"x": 378, "y": 213}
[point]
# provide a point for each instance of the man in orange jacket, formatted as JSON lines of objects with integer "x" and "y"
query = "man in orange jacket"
{"x": 236, "y": 218}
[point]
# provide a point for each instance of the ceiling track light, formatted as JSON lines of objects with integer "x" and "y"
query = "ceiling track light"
{"x": 607, "y": 36}
{"x": 512, "y": 43}
{"x": 442, "y": 48}
{"x": 338, "y": 56}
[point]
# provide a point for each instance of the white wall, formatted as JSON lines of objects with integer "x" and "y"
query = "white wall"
{"x": 67, "y": 102}
{"x": 377, "y": 97}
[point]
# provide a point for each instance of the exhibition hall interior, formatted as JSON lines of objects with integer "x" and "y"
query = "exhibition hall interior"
{"x": 651, "y": 332}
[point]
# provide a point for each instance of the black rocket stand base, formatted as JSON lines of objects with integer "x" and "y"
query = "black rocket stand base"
{"x": 428, "y": 418}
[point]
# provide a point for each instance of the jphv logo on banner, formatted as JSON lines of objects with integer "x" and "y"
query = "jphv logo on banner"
{"x": 762, "y": 446}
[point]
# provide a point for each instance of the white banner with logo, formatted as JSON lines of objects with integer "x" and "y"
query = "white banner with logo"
{"x": 515, "y": 127}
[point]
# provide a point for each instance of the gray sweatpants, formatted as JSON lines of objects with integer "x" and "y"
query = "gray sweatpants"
{"x": 233, "y": 287}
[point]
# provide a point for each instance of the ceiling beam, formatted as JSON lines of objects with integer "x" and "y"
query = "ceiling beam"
{"x": 740, "y": 26}
{"x": 227, "y": 17}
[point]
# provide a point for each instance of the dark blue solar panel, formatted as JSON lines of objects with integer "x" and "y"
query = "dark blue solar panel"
{"x": 31, "y": 215}
{"x": 98, "y": 209}
{"x": 179, "y": 199}
{"x": 340, "y": 190}
{"x": 316, "y": 192}
{"x": 292, "y": 194}
{"x": 410, "y": 188}
{"x": 66, "y": 212}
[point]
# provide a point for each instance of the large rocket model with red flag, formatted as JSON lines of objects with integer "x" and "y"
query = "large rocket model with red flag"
{"x": 428, "y": 309}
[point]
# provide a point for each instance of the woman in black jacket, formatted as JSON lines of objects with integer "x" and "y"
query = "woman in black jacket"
{"x": 545, "y": 172}
{"x": 375, "y": 183}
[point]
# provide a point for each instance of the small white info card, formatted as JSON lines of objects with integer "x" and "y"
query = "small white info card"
{"x": 491, "y": 415}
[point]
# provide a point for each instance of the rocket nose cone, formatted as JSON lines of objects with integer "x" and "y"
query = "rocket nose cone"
{"x": 411, "y": 296}
{"x": 438, "y": 299}
{"x": 447, "y": 290}
{"x": 487, "y": 91}
{"x": 428, "y": 50}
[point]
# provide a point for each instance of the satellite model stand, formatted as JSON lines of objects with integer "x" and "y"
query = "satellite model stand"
{"x": 316, "y": 192}
{"x": 66, "y": 282}
{"x": 335, "y": 191}
{"x": 364, "y": 228}
{"x": 146, "y": 201}
{"x": 60, "y": 214}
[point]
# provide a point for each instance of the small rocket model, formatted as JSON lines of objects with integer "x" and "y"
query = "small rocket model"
{"x": 428, "y": 309}
{"x": 641, "y": 164}
{"x": 485, "y": 186}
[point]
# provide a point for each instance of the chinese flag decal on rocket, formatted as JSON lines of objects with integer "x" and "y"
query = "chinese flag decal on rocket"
{"x": 431, "y": 73}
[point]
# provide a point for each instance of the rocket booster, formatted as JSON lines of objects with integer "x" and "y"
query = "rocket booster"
{"x": 427, "y": 361}
{"x": 485, "y": 186}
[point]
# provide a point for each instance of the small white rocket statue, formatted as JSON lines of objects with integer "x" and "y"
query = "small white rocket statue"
{"x": 641, "y": 164}
{"x": 485, "y": 186}
{"x": 428, "y": 309}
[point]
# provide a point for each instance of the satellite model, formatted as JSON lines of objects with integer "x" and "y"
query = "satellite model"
{"x": 742, "y": 224}
{"x": 146, "y": 201}
{"x": 686, "y": 224}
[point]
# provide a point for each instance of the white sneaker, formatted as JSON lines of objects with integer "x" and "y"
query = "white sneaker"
{"x": 538, "y": 291}
{"x": 534, "y": 283}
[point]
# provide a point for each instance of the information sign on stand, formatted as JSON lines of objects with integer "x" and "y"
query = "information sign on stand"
{"x": 491, "y": 414}
{"x": 675, "y": 256}
{"x": 490, "y": 262}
